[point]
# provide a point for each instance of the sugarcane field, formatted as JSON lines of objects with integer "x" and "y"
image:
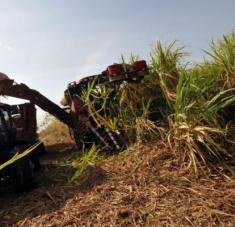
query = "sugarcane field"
{"x": 117, "y": 113}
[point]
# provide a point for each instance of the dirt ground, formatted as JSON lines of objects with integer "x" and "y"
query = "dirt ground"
{"x": 143, "y": 186}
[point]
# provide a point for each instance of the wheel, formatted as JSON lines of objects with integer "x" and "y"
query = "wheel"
{"x": 22, "y": 175}
{"x": 41, "y": 150}
{"x": 35, "y": 156}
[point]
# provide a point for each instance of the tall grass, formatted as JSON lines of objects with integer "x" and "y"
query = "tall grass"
{"x": 197, "y": 127}
{"x": 87, "y": 158}
{"x": 223, "y": 55}
{"x": 191, "y": 108}
{"x": 165, "y": 63}
{"x": 198, "y": 130}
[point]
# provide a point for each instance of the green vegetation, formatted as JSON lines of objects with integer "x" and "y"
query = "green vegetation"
{"x": 190, "y": 108}
{"x": 88, "y": 158}
{"x": 200, "y": 127}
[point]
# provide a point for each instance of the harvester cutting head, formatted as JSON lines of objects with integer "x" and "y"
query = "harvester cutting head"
{"x": 112, "y": 77}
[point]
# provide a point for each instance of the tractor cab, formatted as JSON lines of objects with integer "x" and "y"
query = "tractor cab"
{"x": 17, "y": 124}
{"x": 17, "y": 134}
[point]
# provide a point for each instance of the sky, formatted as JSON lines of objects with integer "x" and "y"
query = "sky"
{"x": 47, "y": 44}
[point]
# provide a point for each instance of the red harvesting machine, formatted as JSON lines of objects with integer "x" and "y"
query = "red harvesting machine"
{"x": 18, "y": 122}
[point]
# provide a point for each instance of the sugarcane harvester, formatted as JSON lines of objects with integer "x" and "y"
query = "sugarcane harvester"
{"x": 112, "y": 77}
{"x": 75, "y": 112}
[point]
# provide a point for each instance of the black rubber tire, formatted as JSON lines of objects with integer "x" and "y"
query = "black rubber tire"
{"x": 22, "y": 175}
{"x": 41, "y": 150}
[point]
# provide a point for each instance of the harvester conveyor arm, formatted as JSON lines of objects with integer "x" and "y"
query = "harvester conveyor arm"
{"x": 10, "y": 88}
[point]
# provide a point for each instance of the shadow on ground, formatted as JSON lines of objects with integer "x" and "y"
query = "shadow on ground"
{"x": 54, "y": 187}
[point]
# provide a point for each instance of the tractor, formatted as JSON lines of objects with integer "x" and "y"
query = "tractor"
{"x": 17, "y": 133}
